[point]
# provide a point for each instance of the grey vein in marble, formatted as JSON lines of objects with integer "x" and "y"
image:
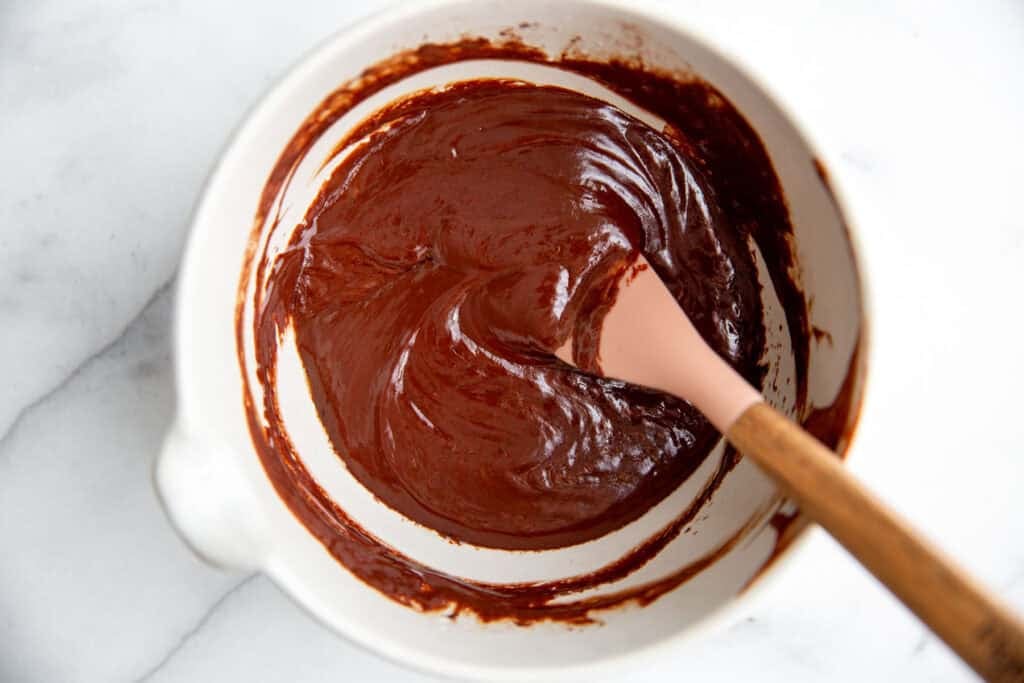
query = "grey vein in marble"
{"x": 92, "y": 543}
{"x": 77, "y": 370}
{"x": 192, "y": 632}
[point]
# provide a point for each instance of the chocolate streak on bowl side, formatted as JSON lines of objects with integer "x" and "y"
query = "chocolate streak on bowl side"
{"x": 833, "y": 425}
{"x": 710, "y": 154}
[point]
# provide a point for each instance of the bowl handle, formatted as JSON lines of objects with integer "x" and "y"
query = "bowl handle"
{"x": 206, "y": 502}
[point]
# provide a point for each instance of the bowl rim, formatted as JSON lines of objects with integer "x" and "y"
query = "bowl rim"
{"x": 718, "y": 616}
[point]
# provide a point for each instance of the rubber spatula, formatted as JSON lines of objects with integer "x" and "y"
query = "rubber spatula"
{"x": 647, "y": 339}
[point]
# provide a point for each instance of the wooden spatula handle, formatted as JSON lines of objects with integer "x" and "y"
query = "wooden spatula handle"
{"x": 972, "y": 622}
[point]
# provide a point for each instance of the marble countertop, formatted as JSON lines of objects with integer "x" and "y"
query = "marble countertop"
{"x": 111, "y": 115}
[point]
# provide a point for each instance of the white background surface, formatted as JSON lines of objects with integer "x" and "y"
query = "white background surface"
{"x": 112, "y": 113}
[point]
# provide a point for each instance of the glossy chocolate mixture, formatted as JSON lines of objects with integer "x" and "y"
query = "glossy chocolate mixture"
{"x": 467, "y": 234}
{"x": 444, "y": 262}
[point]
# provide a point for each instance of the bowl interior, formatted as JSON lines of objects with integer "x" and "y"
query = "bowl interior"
{"x": 210, "y": 383}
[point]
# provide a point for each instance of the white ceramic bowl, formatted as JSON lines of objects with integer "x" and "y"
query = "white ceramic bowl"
{"x": 213, "y": 485}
